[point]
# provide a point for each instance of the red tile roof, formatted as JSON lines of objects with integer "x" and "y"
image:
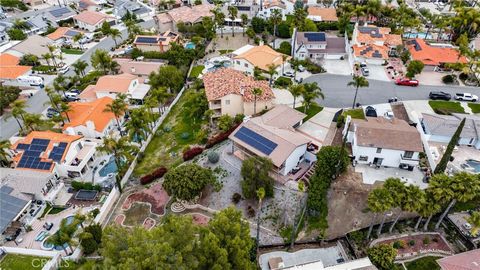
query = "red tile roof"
{"x": 469, "y": 260}
{"x": 431, "y": 55}
{"x": 82, "y": 112}
{"x": 91, "y": 17}
{"x": 9, "y": 68}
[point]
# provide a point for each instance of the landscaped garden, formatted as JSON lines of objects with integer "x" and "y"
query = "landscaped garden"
{"x": 71, "y": 51}
{"x": 475, "y": 107}
{"x": 196, "y": 71}
{"x": 410, "y": 245}
{"x": 155, "y": 196}
{"x": 24, "y": 262}
{"x": 312, "y": 110}
{"x": 355, "y": 113}
{"x": 446, "y": 107}
{"x": 424, "y": 263}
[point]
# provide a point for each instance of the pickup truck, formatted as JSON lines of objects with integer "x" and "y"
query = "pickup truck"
{"x": 466, "y": 97}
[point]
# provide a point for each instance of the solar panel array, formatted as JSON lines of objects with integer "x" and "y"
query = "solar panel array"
{"x": 315, "y": 36}
{"x": 372, "y": 31}
{"x": 71, "y": 33}
{"x": 31, "y": 155}
{"x": 59, "y": 12}
{"x": 57, "y": 152}
{"x": 256, "y": 140}
{"x": 146, "y": 40}
{"x": 416, "y": 45}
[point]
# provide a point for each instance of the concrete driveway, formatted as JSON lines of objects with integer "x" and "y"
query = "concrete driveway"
{"x": 340, "y": 67}
{"x": 377, "y": 72}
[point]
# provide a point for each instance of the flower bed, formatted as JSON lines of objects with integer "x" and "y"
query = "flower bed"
{"x": 413, "y": 245}
{"x": 156, "y": 196}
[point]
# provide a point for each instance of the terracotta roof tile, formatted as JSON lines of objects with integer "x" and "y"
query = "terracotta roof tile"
{"x": 227, "y": 81}
{"x": 109, "y": 83}
{"x": 431, "y": 55}
{"x": 9, "y": 68}
{"x": 187, "y": 14}
{"x": 262, "y": 56}
{"x": 91, "y": 17}
{"x": 326, "y": 14}
{"x": 371, "y": 51}
{"x": 82, "y": 112}
{"x": 469, "y": 260}
{"x": 371, "y": 34}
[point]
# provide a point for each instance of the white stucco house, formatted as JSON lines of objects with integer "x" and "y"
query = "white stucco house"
{"x": 246, "y": 58}
{"x": 384, "y": 142}
{"x": 269, "y": 6}
{"x": 317, "y": 46}
{"x": 92, "y": 20}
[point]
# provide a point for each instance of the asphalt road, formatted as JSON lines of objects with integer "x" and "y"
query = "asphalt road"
{"x": 39, "y": 102}
{"x": 339, "y": 95}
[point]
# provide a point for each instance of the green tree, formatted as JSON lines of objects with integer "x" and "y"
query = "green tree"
{"x": 442, "y": 165}
{"x": 5, "y": 156}
{"x": 255, "y": 175}
{"x": 311, "y": 92}
{"x": 18, "y": 111}
{"x": 286, "y": 49}
{"x": 79, "y": 67}
{"x": 379, "y": 201}
{"x": 275, "y": 18}
{"x": 138, "y": 125}
{"x": 219, "y": 18}
{"x": 382, "y": 256}
{"x": 299, "y": 18}
{"x": 187, "y": 181}
{"x": 167, "y": 76}
{"x": 414, "y": 67}
{"x": 88, "y": 244}
{"x": 271, "y": 70}
{"x": 256, "y": 92}
{"x": 232, "y": 14}
{"x": 33, "y": 121}
{"x": 102, "y": 61}
{"x": 258, "y": 24}
{"x": 161, "y": 96}
{"x": 398, "y": 192}
{"x": 114, "y": 34}
{"x": 118, "y": 107}
{"x": 29, "y": 60}
{"x": 296, "y": 90}
{"x": 225, "y": 122}
{"x": 474, "y": 221}
{"x": 244, "y": 18}
{"x": 357, "y": 82}
{"x": 105, "y": 28}
{"x": 16, "y": 34}
{"x": 260, "y": 195}
{"x": 197, "y": 103}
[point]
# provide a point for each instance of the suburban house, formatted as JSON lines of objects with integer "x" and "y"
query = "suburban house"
{"x": 37, "y": 25}
{"x": 380, "y": 141}
{"x": 188, "y": 15}
{"x": 13, "y": 204}
{"x": 440, "y": 128}
{"x": 158, "y": 43}
{"x": 88, "y": 5}
{"x": 141, "y": 69}
{"x": 433, "y": 56}
{"x": 317, "y": 46}
{"x": 229, "y": 92}
{"x": 273, "y": 135}
{"x": 90, "y": 119}
{"x": 47, "y": 151}
{"x": 373, "y": 44}
{"x": 318, "y": 14}
{"x": 92, "y": 20}
{"x": 33, "y": 3}
{"x": 10, "y": 69}
{"x": 269, "y": 6}
{"x": 246, "y": 58}
{"x": 111, "y": 85}
{"x": 63, "y": 35}
{"x": 36, "y": 45}
{"x": 139, "y": 9}
{"x": 469, "y": 260}
{"x": 52, "y": 16}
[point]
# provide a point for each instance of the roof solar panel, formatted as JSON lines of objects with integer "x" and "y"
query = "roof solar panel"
{"x": 59, "y": 12}
{"x": 315, "y": 36}
{"x": 62, "y": 145}
{"x": 71, "y": 33}
{"x": 22, "y": 146}
{"x": 256, "y": 140}
{"x": 146, "y": 40}
{"x": 40, "y": 141}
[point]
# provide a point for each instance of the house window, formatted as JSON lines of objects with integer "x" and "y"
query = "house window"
{"x": 379, "y": 150}
{"x": 227, "y": 102}
{"x": 238, "y": 62}
{"x": 408, "y": 154}
{"x": 246, "y": 65}
{"x": 363, "y": 158}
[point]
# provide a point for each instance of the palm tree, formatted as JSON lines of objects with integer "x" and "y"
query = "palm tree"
{"x": 79, "y": 67}
{"x": 80, "y": 218}
{"x": 4, "y": 153}
{"x": 64, "y": 109}
{"x": 260, "y": 196}
{"x": 398, "y": 193}
{"x": 372, "y": 8}
{"x": 474, "y": 221}
{"x": 47, "y": 57}
{"x": 33, "y": 121}
{"x": 219, "y": 18}
{"x": 256, "y": 92}
{"x": 272, "y": 70}
{"x": 137, "y": 126}
{"x": 52, "y": 50}
{"x": 358, "y": 81}
{"x": 118, "y": 107}
{"x": 414, "y": 197}
{"x": 299, "y": 17}
{"x": 275, "y": 18}
{"x": 296, "y": 90}
{"x": 114, "y": 34}
{"x": 312, "y": 92}
{"x": 121, "y": 150}
{"x": 101, "y": 60}
{"x": 284, "y": 59}
{"x": 132, "y": 28}
{"x": 359, "y": 11}
{"x": 77, "y": 38}
{"x": 379, "y": 201}
{"x": 294, "y": 64}
{"x": 18, "y": 111}
{"x": 244, "y": 18}
{"x": 161, "y": 95}
{"x": 430, "y": 208}
{"x": 232, "y": 13}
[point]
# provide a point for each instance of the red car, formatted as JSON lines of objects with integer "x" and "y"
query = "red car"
{"x": 406, "y": 82}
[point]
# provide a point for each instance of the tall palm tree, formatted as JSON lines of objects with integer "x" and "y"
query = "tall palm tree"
{"x": 114, "y": 34}
{"x": 64, "y": 109}
{"x": 272, "y": 70}
{"x": 47, "y": 57}
{"x": 474, "y": 221}
{"x": 379, "y": 201}
{"x": 256, "y": 92}
{"x": 294, "y": 63}
{"x": 33, "y": 121}
{"x": 161, "y": 95}
{"x": 284, "y": 59}
{"x": 299, "y": 17}
{"x": 122, "y": 151}
{"x": 414, "y": 197}
{"x": 18, "y": 111}
{"x": 398, "y": 193}
{"x": 138, "y": 125}
{"x": 118, "y": 107}
{"x": 372, "y": 9}
{"x": 275, "y": 18}
{"x": 77, "y": 38}
{"x": 430, "y": 208}
{"x": 219, "y": 18}
{"x": 260, "y": 196}
{"x": 52, "y": 50}
{"x": 357, "y": 82}
{"x": 5, "y": 155}
{"x": 101, "y": 61}
{"x": 312, "y": 92}
{"x": 244, "y": 18}
{"x": 359, "y": 11}
{"x": 232, "y": 13}
{"x": 296, "y": 90}
{"x": 79, "y": 67}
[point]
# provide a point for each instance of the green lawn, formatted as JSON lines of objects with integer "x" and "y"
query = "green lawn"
{"x": 355, "y": 113}
{"x": 24, "y": 262}
{"x": 425, "y": 263}
{"x": 222, "y": 52}
{"x": 71, "y": 51}
{"x": 446, "y": 107}
{"x": 56, "y": 210}
{"x": 176, "y": 132}
{"x": 196, "y": 70}
{"x": 312, "y": 110}
{"x": 475, "y": 107}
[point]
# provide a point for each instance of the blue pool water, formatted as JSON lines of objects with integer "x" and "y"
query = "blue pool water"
{"x": 475, "y": 164}
{"x": 190, "y": 45}
{"x": 417, "y": 35}
{"x": 48, "y": 246}
{"x": 109, "y": 167}
{"x": 69, "y": 219}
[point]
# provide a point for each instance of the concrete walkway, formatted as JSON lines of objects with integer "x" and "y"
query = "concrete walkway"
{"x": 318, "y": 127}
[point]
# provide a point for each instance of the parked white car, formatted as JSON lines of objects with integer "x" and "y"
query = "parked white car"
{"x": 466, "y": 97}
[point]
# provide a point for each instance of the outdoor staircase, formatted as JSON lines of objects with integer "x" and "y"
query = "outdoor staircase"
{"x": 306, "y": 176}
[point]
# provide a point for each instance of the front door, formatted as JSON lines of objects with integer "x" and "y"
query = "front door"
{"x": 378, "y": 161}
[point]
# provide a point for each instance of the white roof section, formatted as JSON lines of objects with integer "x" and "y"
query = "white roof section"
{"x": 140, "y": 91}
{"x": 243, "y": 49}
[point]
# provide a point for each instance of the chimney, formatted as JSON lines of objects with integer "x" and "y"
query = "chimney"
{"x": 132, "y": 69}
{"x": 261, "y": 43}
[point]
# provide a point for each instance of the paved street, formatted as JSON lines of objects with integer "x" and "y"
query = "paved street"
{"x": 339, "y": 95}
{"x": 38, "y": 103}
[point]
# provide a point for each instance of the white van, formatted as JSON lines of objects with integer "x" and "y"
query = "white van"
{"x": 31, "y": 80}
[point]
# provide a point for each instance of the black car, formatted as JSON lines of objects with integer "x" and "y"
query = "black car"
{"x": 51, "y": 112}
{"x": 440, "y": 95}
{"x": 70, "y": 99}
{"x": 370, "y": 111}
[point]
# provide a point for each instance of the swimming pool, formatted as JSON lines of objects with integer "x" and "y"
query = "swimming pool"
{"x": 49, "y": 246}
{"x": 109, "y": 167}
{"x": 418, "y": 35}
{"x": 475, "y": 164}
{"x": 190, "y": 45}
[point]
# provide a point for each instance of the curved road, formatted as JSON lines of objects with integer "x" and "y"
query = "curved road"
{"x": 339, "y": 95}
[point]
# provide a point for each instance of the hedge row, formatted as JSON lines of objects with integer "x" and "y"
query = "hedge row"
{"x": 191, "y": 153}
{"x": 148, "y": 178}
{"x": 220, "y": 137}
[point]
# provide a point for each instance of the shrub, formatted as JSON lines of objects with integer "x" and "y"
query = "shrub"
{"x": 340, "y": 121}
{"x": 220, "y": 137}
{"x": 191, "y": 153}
{"x": 85, "y": 185}
{"x": 463, "y": 76}
{"x": 448, "y": 79}
{"x": 285, "y": 48}
{"x": 213, "y": 157}
{"x": 411, "y": 243}
{"x": 225, "y": 122}
{"x": 399, "y": 244}
{"x": 283, "y": 30}
{"x": 238, "y": 118}
{"x": 236, "y": 198}
{"x": 426, "y": 240}
{"x": 89, "y": 245}
{"x": 148, "y": 178}
{"x": 283, "y": 82}
{"x": 250, "y": 211}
